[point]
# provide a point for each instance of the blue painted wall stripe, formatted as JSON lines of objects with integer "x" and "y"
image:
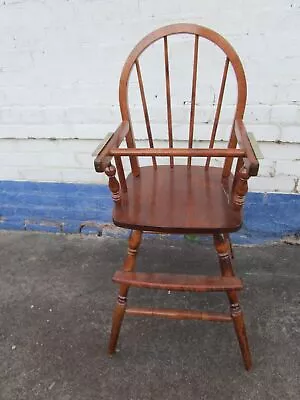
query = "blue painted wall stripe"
{"x": 64, "y": 207}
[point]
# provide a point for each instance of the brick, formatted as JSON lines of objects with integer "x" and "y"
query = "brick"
{"x": 262, "y": 93}
{"x": 290, "y": 134}
{"x": 279, "y": 70}
{"x": 264, "y": 133}
{"x": 57, "y": 131}
{"x": 282, "y": 151}
{"x": 267, "y": 168}
{"x": 20, "y": 159}
{"x": 286, "y": 114}
{"x": 288, "y": 167}
{"x": 288, "y": 93}
{"x": 20, "y": 115}
{"x": 9, "y": 173}
{"x": 91, "y": 115}
{"x": 259, "y": 114}
{"x": 30, "y": 174}
{"x": 40, "y": 174}
{"x": 284, "y": 184}
{"x": 80, "y": 175}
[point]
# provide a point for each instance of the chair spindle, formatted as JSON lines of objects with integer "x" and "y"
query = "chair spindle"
{"x": 168, "y": 95}
{"x": 193, "y": 98}
{"x": 145, "y": 108}
{"x": 218, "y": 110}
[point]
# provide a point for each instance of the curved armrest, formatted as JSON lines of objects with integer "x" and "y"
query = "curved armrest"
{"x": 111, "y": 141}
{"x": 251, "y": 161}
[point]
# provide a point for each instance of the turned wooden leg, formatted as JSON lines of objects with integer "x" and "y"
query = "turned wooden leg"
{"x": 118, "y": 315}
{"x": 227, "y": 237}
{"x": 222, "y": 245}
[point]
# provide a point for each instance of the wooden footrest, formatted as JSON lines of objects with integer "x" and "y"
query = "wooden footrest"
{"x": 178, "y": 314}
{"x": 178, "y": 282}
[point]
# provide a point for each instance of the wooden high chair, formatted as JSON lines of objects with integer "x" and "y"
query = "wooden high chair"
{"x": 181, "y": 199}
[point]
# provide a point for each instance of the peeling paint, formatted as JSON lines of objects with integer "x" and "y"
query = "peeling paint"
{"x": 296, "y": 188}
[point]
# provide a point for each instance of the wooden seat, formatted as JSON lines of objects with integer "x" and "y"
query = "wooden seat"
{"x": 199, "y": 192}
{"x": 177, "y": 198}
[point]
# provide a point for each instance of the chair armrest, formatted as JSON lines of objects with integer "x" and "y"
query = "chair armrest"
{"x": 251, "y": 161}
{"x": 111, "y": 141}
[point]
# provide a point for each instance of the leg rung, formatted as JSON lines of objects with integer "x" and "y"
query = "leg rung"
{"x": 178, "y": 282}
{"x": 178, "y": 314}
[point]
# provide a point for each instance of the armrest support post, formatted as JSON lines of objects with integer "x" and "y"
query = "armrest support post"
{"x": 240, "y": 188}
{"x": 113, "y": 183}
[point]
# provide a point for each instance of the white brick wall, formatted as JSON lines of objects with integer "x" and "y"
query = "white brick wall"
{"x": 60, "y": 63}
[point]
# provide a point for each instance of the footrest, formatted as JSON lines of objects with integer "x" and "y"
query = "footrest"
{"x": 178, "y": 282}
{"x": 178, "y": 314}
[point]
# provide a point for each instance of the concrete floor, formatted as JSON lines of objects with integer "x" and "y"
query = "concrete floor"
{"x": 56, "y": 299}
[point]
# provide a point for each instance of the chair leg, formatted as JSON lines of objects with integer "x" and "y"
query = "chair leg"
{"x": 222, "y": 245}
{"x": 227, "y": 237}
{"x": 118, "y": 315}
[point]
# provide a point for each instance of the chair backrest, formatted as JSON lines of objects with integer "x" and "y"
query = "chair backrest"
{"x": 231, "y": 58}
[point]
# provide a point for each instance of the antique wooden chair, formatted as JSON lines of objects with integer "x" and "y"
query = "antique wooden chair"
{"x": 181, "y": 199}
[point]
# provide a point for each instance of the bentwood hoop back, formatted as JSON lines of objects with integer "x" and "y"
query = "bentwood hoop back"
{"x": 197, "y": 199}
